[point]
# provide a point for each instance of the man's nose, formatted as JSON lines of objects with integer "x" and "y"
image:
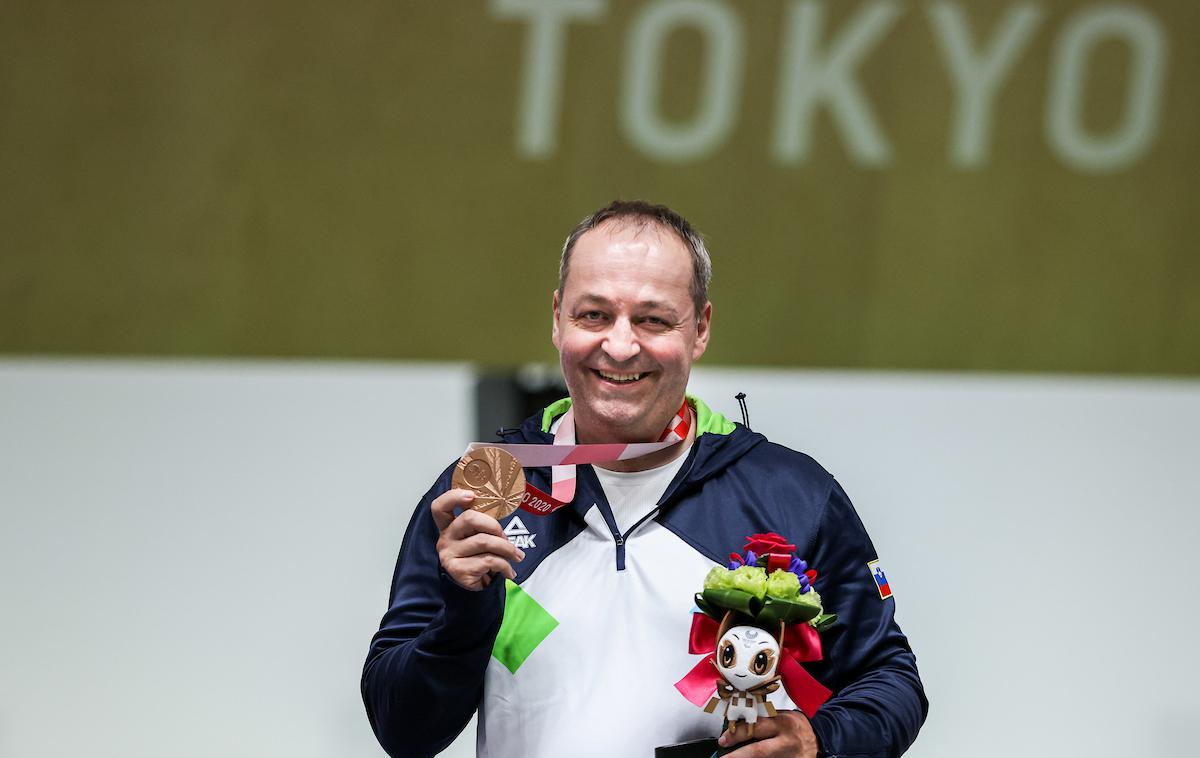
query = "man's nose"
{"x": 620, "y": 343}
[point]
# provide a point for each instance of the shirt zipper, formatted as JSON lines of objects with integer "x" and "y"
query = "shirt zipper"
{"x": 620, "y": 538}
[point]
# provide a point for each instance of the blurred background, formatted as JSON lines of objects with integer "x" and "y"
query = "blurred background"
{"x": 266, "y": 267}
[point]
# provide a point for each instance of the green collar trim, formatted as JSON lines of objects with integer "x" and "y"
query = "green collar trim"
{"x": 553, "y": 411}
{"x": 708, "y": 421}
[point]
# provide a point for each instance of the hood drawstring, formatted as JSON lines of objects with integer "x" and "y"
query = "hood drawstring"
{"x": 741, "y": 398}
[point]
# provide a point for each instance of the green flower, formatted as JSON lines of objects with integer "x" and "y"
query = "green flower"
{"x": 750, "y": 579}
{"x": 810, "y": 598}
{"x": 718, "y": 579}
{"x": 783, "y": 584}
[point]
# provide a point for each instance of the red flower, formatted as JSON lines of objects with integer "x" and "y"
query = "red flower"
{"x": 769, "y": 542}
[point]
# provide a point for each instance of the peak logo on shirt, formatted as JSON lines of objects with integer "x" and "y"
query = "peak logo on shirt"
{"x": 518, "y": 535}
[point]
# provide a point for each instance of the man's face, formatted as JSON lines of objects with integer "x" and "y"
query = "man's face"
{"x": 627, "y": 331}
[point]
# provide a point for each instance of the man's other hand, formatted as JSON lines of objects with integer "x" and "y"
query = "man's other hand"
{"x": 786, "y": 735}
{"x": 472, "y": 547}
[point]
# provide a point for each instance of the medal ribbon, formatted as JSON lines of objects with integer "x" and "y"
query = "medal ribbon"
{"x": 564, "y": 455}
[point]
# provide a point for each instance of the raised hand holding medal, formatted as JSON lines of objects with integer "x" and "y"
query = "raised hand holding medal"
{"x": 471, "y": 546}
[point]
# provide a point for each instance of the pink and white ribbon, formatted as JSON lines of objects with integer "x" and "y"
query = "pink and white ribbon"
{"x": 564, "y": 455}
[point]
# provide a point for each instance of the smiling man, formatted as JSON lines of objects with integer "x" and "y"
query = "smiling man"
{"x": 630, "y": 316}
{"x": 577, "y": 650}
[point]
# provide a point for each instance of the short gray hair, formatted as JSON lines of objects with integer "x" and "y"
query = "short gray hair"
{"x": 660, "y": 215}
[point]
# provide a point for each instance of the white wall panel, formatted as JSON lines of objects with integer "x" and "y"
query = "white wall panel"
{"x": 195, "y": 555}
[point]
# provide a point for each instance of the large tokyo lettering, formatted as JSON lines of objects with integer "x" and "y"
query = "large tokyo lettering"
{"x": 817, "y": 69}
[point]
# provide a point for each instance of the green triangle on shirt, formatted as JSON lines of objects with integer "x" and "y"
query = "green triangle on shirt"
{"x": 525, "y": 625}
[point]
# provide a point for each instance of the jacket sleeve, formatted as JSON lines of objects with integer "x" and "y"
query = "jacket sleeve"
{"x": 878, "y": 703}
{"x": 423, "y": 676}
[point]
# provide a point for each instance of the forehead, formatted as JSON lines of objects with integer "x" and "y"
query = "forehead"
{"x": 630, "y": 258}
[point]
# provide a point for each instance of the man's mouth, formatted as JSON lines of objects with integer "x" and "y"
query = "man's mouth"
{"x": 616, "y": 377}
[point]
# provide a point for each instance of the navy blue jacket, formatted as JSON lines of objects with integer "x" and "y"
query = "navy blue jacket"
{"x": 423, "y": 677}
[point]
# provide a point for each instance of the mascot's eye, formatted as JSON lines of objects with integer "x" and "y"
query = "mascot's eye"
{"x": 728, "y": 654}
{"x": 761, "y": 663}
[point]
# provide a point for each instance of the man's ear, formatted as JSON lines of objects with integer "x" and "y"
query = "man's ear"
{"x": 702, "y": 331}
{"x": 554, "y": 321}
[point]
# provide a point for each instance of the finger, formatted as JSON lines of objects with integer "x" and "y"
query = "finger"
{"x": 733, "y": 736}
{"x": 730, "y": 735}
{"x": 764, "y": 729}
{"x": 444, "y": 504}
{"x": 472, "y": 522}
{"x": 479, "y": 544}
{"x": 767, "y": 747}
{"x": 785, "y": 722}
{"x": 500, "y": 566}
{"x": 757, "y": 749}
{"x": 787, "y": 734}
{"x": 472, "y": 572}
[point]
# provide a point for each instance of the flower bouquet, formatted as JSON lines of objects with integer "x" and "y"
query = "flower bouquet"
{"x": 758, "y": 620}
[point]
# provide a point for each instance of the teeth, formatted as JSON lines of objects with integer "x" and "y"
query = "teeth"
{"x": 620, "y": 377}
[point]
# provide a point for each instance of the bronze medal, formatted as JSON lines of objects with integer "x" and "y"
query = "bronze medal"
{"x": 495, "y": 477}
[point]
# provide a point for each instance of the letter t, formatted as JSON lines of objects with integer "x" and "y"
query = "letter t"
{"x": 545, "y": 47}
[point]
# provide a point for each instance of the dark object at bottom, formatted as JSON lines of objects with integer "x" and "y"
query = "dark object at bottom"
{"x": 704, "y": 748}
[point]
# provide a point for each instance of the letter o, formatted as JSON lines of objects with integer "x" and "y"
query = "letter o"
{"x": 1068, "y": 78}
{"x": 640, "y": 117}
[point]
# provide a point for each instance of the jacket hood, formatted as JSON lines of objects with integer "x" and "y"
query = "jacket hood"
{"x": 719, "y": 441}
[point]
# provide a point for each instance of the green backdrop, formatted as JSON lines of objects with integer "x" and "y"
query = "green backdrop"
{"x": 983, "y": 185}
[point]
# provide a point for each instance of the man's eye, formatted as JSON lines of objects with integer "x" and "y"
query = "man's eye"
{"x": 591, "y": 316}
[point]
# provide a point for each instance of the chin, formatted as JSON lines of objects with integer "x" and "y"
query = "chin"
{"x": 617, "y": 417}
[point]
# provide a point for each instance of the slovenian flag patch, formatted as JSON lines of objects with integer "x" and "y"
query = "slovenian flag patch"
{"x": 881, "y": 582}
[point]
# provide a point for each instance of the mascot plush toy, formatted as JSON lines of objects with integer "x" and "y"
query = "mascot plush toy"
{"x": 746, "y": 660}
{"x": 758, "y": 620}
